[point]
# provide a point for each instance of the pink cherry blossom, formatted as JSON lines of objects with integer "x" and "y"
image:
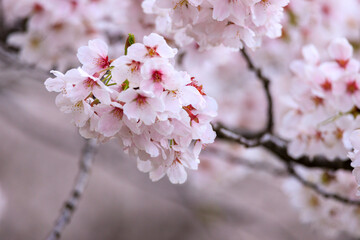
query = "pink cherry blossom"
{"x": 160, "y": 115}
{"x": 215, "y": 22}
{"x": 141, "y": 105}
{"x": 94, "y": 57}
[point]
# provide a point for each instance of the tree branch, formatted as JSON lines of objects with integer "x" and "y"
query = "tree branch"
{"x": 226, "y": 134}
{"x": 266, "y": 84}
{"x": 278, "y": 147}
{"x": 319, "y": 190}
{"x": 88, "y": 154}
{"x": 256, "y": 166}
{"x": 265, "y": 167}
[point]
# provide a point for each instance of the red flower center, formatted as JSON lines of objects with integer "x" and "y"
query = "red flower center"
{"x": 327, "y": 86}
{"x": 118, "y": 113}
{"x": 342, "y": 63}
{"x": 318, "y": 100}
{"x": 90, "y": 83}
{"x": 152, "y": 51}
{"x": 141, "y": 100}
{"x": 37, "y": 8}
{"x": 351, "y": 87}
{"x": 157, "y": 76}
{"x": 102, "y": 62}
{"x": 134, "y": 66}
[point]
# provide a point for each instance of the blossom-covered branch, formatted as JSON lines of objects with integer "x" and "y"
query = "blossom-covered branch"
{"x": 87, "y": 157}
{"x": 160, "y": 115}
{"x": 274, "y": 144}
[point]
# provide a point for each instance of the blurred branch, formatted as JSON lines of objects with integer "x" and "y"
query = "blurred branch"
{"x": 258, "y": 166}
{"x": 8, "y": 57}
{"x": 319, "y": 162}
{"x": 278, "y": 147}
{"x": 269, "y": 168}
{"x": 88, "y": 154}
{"x": 319, "y": 190}
{"x": 266, "y": 84}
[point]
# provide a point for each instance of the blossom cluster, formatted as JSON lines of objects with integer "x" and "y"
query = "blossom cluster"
{"x": 323, "y": 116}
{"x": 323, "y": 106}
{"x": 321, "y": 20}
{"x": 217, "y": 22}
{"x": 326, "y": 215}
{"x": 161, "y": 115}
{"x": 52, "y": 31}
{"x": 308, "y": 22}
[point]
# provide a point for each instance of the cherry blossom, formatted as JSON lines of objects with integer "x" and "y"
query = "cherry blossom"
{"x": 328, "y": 91}
{"x": 45, "y": 41}
{"x": 94, "y": 57}
{"x": 214, "y": 22}
{"x": 160, "y": 115}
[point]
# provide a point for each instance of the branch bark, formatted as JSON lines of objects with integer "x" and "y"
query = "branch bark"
{"x": 88, "y": 154}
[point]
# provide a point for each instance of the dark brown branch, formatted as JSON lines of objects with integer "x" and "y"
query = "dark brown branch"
{"x": 266, "y": 84}
{"x": 319, "y": 190}
{"x": 278, "y": 147}
{"x": 226, "y": 134}
{"x": 315, "y": 162}
{"x": 88, "y": 154}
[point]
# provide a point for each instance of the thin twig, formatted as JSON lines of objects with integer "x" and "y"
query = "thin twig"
{"x": 319, "y": 190}
{"x": 88, "y": 154}
{"x": 266, "y": 84}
